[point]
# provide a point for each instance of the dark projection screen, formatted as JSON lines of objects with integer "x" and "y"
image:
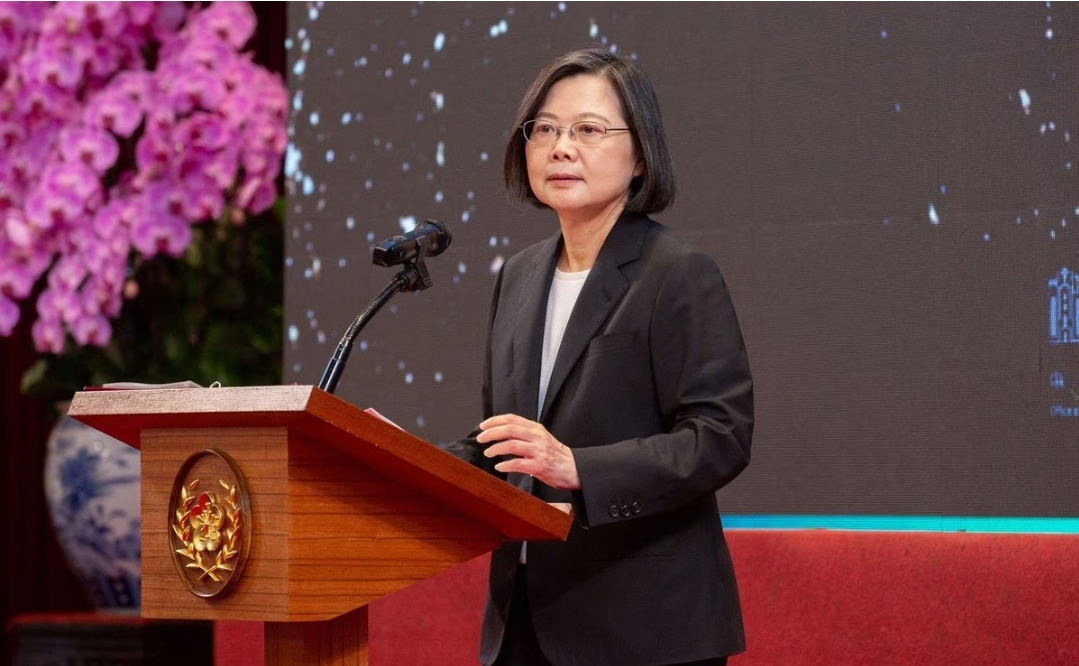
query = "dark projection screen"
{"x": 889, "y": 189}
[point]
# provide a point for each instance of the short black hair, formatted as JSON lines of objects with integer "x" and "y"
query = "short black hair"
{"x": 652, "y": 191}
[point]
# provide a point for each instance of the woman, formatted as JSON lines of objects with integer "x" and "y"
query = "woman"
{"x": 616, "y": 386}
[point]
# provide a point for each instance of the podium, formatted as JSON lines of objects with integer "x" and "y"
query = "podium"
{"x": 342, "y": 509}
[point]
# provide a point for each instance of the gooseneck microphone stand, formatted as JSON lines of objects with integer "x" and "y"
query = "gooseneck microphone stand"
{"x": 414, "y": 277}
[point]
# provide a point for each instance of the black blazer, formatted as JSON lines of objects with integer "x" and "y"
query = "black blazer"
{"x": 652, "y": 390}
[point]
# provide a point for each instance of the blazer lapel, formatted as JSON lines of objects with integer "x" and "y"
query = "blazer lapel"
{"x": 602, "y": 291}
{"x": 528, "y": 336}
{"x": 528, "y": 339}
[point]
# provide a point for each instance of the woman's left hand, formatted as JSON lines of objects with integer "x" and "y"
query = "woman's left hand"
{"x": 539, "y": 453}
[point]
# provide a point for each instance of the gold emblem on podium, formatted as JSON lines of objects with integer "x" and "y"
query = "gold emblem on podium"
{"x": 209, "y": 523}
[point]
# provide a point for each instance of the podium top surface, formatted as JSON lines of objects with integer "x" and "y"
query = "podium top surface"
{"x": 322, "y": 418}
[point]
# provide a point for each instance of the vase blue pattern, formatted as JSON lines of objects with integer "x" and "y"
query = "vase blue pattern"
{"x": 92, "y": 489}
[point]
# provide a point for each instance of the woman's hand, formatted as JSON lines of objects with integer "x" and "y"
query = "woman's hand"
{"x": 538, "y": 452}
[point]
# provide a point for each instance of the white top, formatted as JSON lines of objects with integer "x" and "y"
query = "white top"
{"x": 560, "y": 301}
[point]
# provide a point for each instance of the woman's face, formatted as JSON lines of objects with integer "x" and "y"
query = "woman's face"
{"x": 583, "y": 182}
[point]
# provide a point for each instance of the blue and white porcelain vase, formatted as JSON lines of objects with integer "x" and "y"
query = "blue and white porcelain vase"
{"x": 92, "y": 490}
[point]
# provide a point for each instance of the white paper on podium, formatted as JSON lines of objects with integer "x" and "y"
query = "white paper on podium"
{"x": 374, "y": 412}
{"x": 128, "y": 386}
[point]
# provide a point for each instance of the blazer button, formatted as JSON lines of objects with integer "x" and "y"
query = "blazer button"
{"x": 625, "y": 510}
{"x": 635, "y": 508}
{"x": 613, "y": 511}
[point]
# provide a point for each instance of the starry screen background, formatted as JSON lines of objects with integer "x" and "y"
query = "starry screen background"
{"x": 888, "y": 188}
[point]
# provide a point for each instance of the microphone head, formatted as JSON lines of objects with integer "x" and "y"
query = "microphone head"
{"x": 428, "y": 239}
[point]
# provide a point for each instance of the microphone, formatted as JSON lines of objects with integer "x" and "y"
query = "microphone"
{"x": 428, "y": 239}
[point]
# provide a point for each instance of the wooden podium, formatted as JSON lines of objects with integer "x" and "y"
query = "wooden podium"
{"x": 344, "y": 508}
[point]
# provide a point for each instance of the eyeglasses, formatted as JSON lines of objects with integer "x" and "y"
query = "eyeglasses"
{"x": 585, "y": 132}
